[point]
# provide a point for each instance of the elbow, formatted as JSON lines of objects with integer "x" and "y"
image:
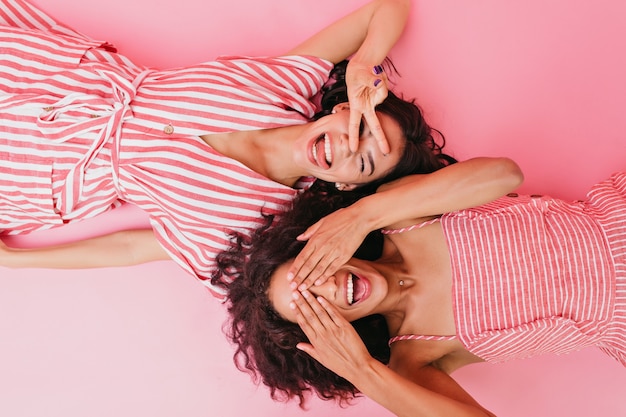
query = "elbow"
{"x": 509, "y": 172}
{"x": 137, "y": 246}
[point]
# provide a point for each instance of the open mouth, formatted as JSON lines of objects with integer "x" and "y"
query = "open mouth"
{"x": 355, "y": 289}
{"x": 322, "y": 153}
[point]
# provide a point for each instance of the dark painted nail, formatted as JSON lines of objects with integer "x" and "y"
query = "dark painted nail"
{"x": 378, "y": 80}
{"x": 378, "y": 69}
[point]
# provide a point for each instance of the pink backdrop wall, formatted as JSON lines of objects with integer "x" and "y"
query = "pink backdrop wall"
{"x": 541, "y": 82}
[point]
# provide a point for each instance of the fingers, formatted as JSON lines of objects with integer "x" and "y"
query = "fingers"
{"x": 310, "y": 231}
{"x": 374, "y": 126}
{"x": 315, "y": 303}
{"x": 332, "y": 312}
{"x": 307, "y": 261}
{"x": 363, "y": 101}
{"x": 379, "y": 95}
{"x": 353, "y": 128}
{"x": 313, "y": 266}
{"x": 312, "y": 316}
{"x": 302, "y": 265}
{"x": 309, "y": 349}
{"x": 316, "y": 325}
{"x": 308, "y": 319}
{"x": 377, "y": 131}
{"x": 318, "y": 274}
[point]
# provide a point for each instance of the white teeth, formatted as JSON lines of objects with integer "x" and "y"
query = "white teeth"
{"x": 327, "y": 151}
{"x": 350, "y": 290}
{"x": 315, "y": 151}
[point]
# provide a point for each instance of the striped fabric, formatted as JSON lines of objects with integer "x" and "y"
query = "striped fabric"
{"x": 534, "y": 275}
{"x": 83, "y": 129}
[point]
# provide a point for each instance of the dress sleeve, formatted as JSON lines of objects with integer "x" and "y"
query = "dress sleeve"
{"x": 290, "y": 82}
{"x": 21, "y": 15}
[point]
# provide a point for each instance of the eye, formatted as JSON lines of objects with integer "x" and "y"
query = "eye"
{"x": 362, "y": 164}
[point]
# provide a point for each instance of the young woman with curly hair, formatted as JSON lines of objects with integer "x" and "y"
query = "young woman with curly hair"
{"x": 514, "y": 277}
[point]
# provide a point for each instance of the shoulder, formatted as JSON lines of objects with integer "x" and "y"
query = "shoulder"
{"x": 302, "y": 62}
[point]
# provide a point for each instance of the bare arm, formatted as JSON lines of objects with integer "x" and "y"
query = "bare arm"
{"x": 335, "y": 238}
{"x": 128, "y": 247}
{"x": 420, "y": 390}
{"x": 459, "y": 186}
{"x": 368, "y": 34}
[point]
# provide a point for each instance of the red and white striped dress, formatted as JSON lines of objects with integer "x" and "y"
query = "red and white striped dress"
{"x": 82, "y": 129}
{"x": 534, "y": 275}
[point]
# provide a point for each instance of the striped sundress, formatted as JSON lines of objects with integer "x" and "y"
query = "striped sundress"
{"x": 534, "y": 275}
{"x": 83, "y": 129}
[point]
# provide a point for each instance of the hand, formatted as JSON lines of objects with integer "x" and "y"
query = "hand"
{"x": 333, "y": 341}
{"x": 367, "y": 87}
{"x": 331, "y": 243}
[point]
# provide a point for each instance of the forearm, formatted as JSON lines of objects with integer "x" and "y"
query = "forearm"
{"x": 406, "y": 398}
{"x": 459, "y": 186}
{"x": 383, "y": 31}
{"x": 368, "y": 33}
{"x": 408, "y": 386}
{"x": 123, "y": 248}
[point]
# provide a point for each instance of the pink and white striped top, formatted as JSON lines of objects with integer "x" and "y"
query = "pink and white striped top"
{"x": 534, "y": 275}
{"x": 82, "y": 129}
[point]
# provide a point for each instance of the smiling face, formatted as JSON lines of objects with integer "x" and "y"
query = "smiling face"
{"x": 356, "y": 290}
{"x": 322, "y": 150}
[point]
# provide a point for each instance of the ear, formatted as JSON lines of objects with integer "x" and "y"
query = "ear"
{"x": 341, "y": 107}
{"x": 345, "y": 187}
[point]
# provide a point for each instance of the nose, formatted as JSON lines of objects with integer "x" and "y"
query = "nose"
{"x": 328, "y": 290}
{"x": 362, "y": 146}
{"x": 344, "y": 142}
{"x": 366, "y": 143}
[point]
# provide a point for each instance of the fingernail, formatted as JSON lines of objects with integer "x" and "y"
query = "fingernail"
{"x": 292, "y": 306}
{"x": 378, "y": 69}
{"x": 318, "y": 282}
{"x": 378, "y": 80}
{"x": 295, "y": 295}
{"x": 302, "y": 287}
{"x": 289, "y": 276}
{"x": 293, "y": 285}
{"x": 306, "y": 294}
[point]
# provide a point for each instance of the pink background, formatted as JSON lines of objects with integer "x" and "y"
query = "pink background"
{"x": 541, "y": 82}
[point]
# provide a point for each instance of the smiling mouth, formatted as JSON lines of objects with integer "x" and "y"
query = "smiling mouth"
{"x": 323, "y": 142}
{"x": 355, "y": 289}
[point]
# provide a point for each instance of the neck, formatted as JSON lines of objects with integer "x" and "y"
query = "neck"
{"x": 400, "y": 286}
{"x": 275, "y": 148}
{"x": 267, "y": 152}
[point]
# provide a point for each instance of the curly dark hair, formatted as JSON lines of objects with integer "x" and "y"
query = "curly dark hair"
{"x": 265, "y": 342}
